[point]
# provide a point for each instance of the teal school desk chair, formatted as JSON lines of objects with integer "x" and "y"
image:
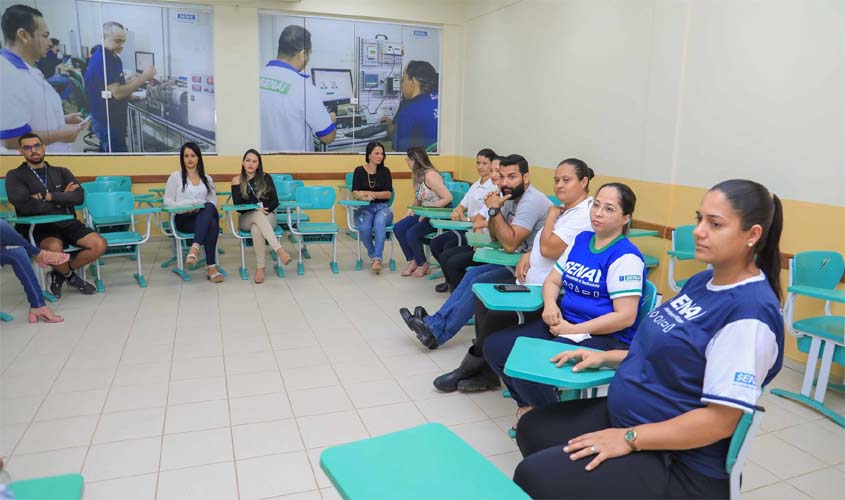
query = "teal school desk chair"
{"x": 313, "y": 198}
{"x": 815, "y": 275}
{"x": 112, "y": 206}
{"x": 683, "y": 248}
{"x": 352, "y": 225}
{"x": 182, "y": 244}
{"x": 377, "y": 468}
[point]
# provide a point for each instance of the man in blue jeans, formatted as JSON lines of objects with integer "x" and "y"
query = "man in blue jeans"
{"x": 516, "y": 215}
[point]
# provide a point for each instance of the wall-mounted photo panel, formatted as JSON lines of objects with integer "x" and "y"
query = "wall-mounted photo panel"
{"x": 111, "y": 77}
{"x": 334, "y": 85}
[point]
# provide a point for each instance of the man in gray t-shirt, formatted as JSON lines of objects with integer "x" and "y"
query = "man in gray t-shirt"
{"x": 515, "y": 217}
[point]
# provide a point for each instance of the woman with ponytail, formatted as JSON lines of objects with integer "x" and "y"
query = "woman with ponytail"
{"x": 697, "y": 363}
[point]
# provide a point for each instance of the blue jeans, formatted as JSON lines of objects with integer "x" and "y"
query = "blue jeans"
{"x": 372, "y": 220}
{"x": 118, "y": 137}
{"x": 409, "y": 233}
{"x": 10, "y": 237}
{"x": 498, "y": 346}
{"x": 460, "y": 306}
{"x": 205, "y": 224}
{"x": 19, "y": 260}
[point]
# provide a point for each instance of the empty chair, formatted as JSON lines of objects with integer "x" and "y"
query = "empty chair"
{"x": 110, "y": 206}
{"x": 683, "y": 248}
{"x": 313, "y": 198}
{"x": 815, "y": 275}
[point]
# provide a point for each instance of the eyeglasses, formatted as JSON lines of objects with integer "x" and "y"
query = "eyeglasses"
{"x": 30, "y": 147}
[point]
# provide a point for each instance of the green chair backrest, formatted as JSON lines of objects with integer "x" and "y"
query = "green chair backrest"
{"x": 124, "y": 181}
{"x": 286, "y": 189}
{"x": 447, "y": 177}
{"x": 457, "y": 196}
{"x": 281, "y": 177}
{"x": 817, "y": 268}
{"x": 102, "y": 187}
{"x": 349, "y": 177}
{"x": 682, "y": 239}
{"x": 317, "y": 197}
{"x": 3, "y": 188}
{"x": 552, "y": 198}
{"x": 648, "y": 301}
{"x": 101, "y": 205}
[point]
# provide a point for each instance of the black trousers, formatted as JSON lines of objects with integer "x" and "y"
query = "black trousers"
{"x": 454, "y": 263}
{"x": 488, "y": 322}
{"x": 445, "y": 241}
{"x": 547, "y": 472}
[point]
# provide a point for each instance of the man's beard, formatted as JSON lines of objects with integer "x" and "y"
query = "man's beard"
{"x": 515, "y": 192}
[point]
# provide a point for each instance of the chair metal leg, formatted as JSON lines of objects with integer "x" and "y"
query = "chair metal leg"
{"x": 244, "y": 273}
{"x": 101, "y": 288}
{"x": 300, "y": 268}
{"x": 139, "y": 277}
{"x": 180, "y": 265}
{"x": 333, "y": 263}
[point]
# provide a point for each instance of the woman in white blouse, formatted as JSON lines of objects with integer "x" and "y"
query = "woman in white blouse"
{"x": 190, "y": 186}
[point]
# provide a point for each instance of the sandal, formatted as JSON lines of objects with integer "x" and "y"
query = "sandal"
{"x": 193, "y": 256}
{"x": 44, "y": 314}
{"x": 412, "y": 266}
{"x": 46, "y": 257}
{"x": 259, "y": 275}
{"x": 214, "y": 277}
{"x": 421, "y": 271}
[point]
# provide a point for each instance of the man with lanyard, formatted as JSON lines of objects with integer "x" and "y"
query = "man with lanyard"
{"x": 516, "y": 215}
{"x": 28, "y": 101}
{"x": 37, "y": 188}
{"x": 292, "y": 112}
{"x": 105, "y": 72}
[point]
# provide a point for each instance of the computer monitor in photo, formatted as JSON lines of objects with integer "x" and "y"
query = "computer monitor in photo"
{"x": 334, "y": 86}
{"x": 144, "y": 60}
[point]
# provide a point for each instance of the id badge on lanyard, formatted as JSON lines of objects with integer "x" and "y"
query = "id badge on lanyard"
{"x": 260, "y": 203}
{"x": 45, "y": 181}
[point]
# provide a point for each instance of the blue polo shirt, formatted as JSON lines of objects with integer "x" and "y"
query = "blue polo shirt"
{"x": 709, "y": 344}
{"x": 415, "y": 123}
{"x": 97, "y": 78}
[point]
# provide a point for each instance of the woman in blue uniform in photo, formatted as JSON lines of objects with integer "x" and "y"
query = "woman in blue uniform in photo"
{"x": 696, "y": 364}
{"x": 602, "y": 274}
{"x": 415, "y": 122}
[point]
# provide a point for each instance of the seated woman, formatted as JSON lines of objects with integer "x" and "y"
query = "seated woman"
{"x": 191, "y": 186}
{"x": 563, "y": 223}
{"x": 697, "y": 363}
{"x": 372, "y": 182}
{"x": 471, "y": 204}
{"x": 254, "y": 187}
{"x": 602, "y": 275}
{"x": 429, "y": 191}
{"x": 16, "y": 252}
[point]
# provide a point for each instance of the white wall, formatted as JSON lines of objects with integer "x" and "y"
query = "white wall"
{"x": 675, "y": 91}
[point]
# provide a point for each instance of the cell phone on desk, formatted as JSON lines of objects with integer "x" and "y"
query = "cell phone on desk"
{"x": 512, "y": 288}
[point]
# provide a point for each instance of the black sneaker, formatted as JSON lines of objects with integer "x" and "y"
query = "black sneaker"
{"x": 83, "y": 286}
{"x": 56, "y": 282}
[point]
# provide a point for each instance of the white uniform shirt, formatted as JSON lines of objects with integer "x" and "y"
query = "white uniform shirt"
{"x": 28, "y": 102}
{"x": 291, "y": 110}
{"x": 473, "y": 200}
{"x": 569, "y": 225}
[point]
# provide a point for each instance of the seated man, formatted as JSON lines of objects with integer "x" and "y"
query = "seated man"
{"x": 516, "y": 215}
{"x": 38, "y": 188}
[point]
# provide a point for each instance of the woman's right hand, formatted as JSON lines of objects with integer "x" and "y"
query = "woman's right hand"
{"x": 583, "y": 358}
{"x": 551, "y": 315}
{"x": 523, "y": 266}
{"x": 456, "y": 215}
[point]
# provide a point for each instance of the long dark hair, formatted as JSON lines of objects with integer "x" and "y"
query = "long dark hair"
{"x": 627, "y": 199}
{"x": 200, "y": 166}
{"x": 754, "y": 204}
{"x": 422, "y": 164}
{"x": 372, "y": 146}
{"x": 260, "y": 181}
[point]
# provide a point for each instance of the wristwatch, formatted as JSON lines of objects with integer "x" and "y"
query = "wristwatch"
{"x": 631, "y": 439}
{"x": 493, "y": 211}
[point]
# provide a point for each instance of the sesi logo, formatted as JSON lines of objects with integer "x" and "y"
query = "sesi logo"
{"x": 745, "y": 378}
{"x": 685, "y": 307}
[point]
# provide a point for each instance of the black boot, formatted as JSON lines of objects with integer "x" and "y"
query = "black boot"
{"x": 469, "y": 366}
{"x": 484, "y": 380}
